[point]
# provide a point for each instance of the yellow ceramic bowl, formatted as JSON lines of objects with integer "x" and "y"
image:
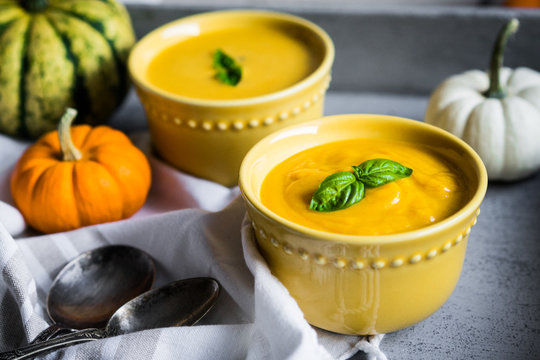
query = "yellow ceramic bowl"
{"x": 362, "y": 284}
{"x": 209, "y": 138}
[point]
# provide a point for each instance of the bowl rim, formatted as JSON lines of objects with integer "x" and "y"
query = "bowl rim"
{"x": 319, "y": 73}
{"x": 464, "y": 212}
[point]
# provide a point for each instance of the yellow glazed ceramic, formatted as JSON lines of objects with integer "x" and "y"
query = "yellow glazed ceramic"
{"x": 204, "y": 127}
{"x": 354, "y": 284}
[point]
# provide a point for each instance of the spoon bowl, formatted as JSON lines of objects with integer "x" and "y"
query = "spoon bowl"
{"x": 161, "y": 307}
{"x": 89, "y": 289}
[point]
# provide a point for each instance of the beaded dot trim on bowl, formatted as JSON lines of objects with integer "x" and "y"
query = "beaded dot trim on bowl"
{"x": 241, "y": 124}
{"x": 363, "y": 263}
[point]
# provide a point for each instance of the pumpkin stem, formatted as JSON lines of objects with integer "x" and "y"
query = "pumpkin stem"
{"x": 69, "y": 151}
{"x": 495, "y": 89}
{"x": 34, "y": 5}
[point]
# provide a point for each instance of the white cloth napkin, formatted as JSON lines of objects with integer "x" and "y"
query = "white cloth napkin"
{"x": 191, "y": 227}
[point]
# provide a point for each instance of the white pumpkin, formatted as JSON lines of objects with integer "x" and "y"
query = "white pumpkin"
{"x": 497, "y": 113}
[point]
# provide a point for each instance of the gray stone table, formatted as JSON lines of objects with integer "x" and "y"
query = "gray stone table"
{"x": 388, "y": 60}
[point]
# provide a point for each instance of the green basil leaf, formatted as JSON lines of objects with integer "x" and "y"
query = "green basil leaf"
{"x": 227, "y": 70}
{"x": 338, "y": 191}
{"x": 377, "y": 172}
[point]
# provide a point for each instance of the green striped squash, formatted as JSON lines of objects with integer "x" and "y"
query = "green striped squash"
{"x": 60, "y": 53}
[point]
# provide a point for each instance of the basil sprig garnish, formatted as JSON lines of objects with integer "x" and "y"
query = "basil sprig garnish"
{"x": 343, "y": 189}
{"x": 337, "y": 191}
{"x": 377, "y": 172}
{"x": 227, "y": 70}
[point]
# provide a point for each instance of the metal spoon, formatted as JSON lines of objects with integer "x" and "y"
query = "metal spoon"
{"x": 91, "y": 287}
{"x": 180, "y": 303}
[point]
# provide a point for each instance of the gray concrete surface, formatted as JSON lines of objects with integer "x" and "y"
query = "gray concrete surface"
{"x": 387, "y": 62}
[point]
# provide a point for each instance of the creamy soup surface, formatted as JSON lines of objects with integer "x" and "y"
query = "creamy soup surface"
{"x": 435, "y": 190}
{"x": 272, "y": 58}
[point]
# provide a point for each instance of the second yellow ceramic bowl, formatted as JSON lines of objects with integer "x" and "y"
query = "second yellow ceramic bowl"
{"x": 209, "y": 138}
{"x": 362, "y": 284}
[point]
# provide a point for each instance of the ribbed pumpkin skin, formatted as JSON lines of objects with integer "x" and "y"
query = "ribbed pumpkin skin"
{"x": 73, "y": 53}
{"x": 110, "y": 182}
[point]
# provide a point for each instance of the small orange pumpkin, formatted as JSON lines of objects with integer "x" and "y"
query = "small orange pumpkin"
{"x": 78, "y": 176}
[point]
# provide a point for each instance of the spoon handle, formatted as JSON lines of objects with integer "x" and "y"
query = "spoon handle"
{"x": 52, "y": 331}
{"x": 74, "y": 338}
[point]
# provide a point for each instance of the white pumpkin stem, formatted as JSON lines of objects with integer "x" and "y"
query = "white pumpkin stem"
{"x": 69, "y": 151}
{"x": 495, "y": 89}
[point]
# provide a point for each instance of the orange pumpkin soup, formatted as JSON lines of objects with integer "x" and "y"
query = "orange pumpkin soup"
{"x": 272, "y": 58}
{"x": 435, "y": 190}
